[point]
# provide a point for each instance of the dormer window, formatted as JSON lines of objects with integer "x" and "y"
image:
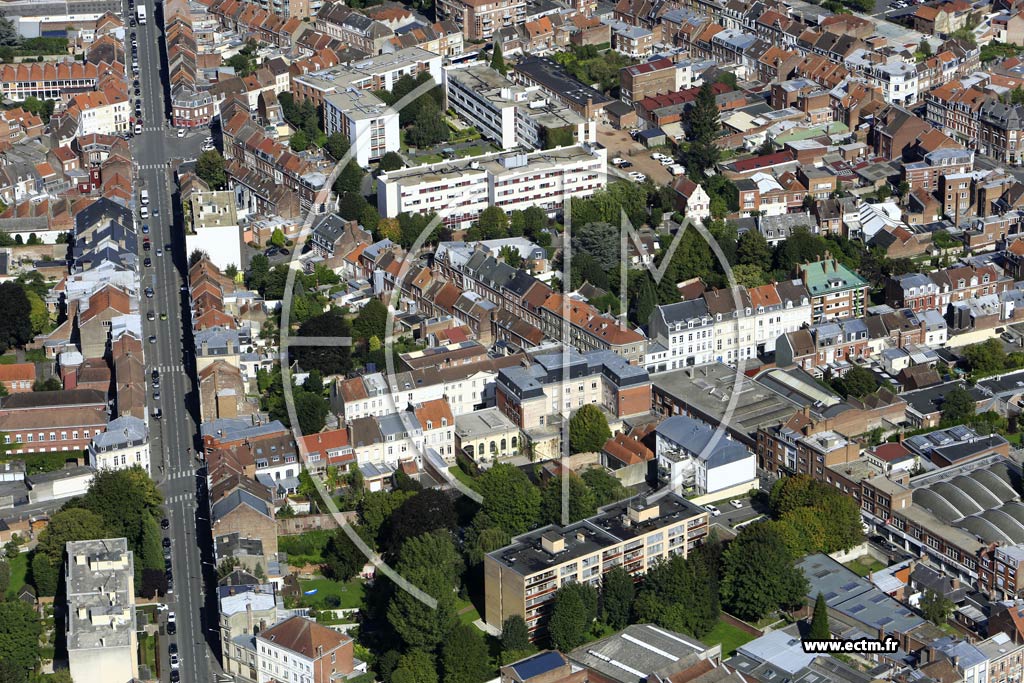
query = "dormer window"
{"x": 985, "y": 279}
{"x": 961, "y": 282}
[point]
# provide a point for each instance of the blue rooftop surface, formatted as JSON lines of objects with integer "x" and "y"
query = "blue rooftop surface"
{"x": 538, "y": 664}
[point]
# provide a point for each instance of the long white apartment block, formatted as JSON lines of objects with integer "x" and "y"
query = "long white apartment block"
{"x": 512, "y": 115}
{"x": 460, "y": 189}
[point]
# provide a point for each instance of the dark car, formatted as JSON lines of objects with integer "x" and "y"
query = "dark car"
{"x": 167, "y": 542}
{"x": 168, "y": 246}
{"x": 149, "y": 292}
{"x": 172, "y": 649}
{"x": 165, "y": 523}
{"x": 156, "y": 374}
{"x": 171, "y": 629}
{"x": 145, "y": 228}
{"x": 148, "y": 262}
{"x": 175, "y": 674}
{"x": 626, "y": 164}
{"x": 147, "y": 246}
{"x": 284, "y": 251}
{"x": 270, "y": 251}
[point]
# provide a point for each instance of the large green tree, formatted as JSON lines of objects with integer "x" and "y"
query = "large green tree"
{"x": 329, "y": 360}
{"x": 415, "y": 666}
{"x": 20, "y": 629}
{"x": 760, "y": 574}
{"x": 573, "y": 614}
{"x": 47, "y": 558}
{"x": 588, "y": 430}
{"x": 465, "y": 657}
{"x": 426, "y": 511}
{"x": 210, "y": 168}
{"x": 16, "y": 322}
{"x": 958, "y": 407}
{"x": 515, "y": 635}
{"x": 680, "y": 594}
{"x": 371, "y": 321}
{"x": 819, "y": 629}
{"x": 617, "y": 594}
{"x": 432, "y": 564}
{"x": 605, "y": 485}
{"x": 704, "y": 126}
{"x": 581, "y": 500}
{"x": 510, "y": 500}
{"x": 935, "y": 607}
{"x": 342, "y": 557}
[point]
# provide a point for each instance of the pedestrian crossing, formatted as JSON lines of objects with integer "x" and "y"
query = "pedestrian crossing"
{"x": 170, "y": 368}
{"x": 184, "y": 474}
{"x": 152, "y": 167}
{"x": 180, "y": 498}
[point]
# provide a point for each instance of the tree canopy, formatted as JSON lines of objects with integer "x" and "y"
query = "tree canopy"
{"x": 759, "y": 573}
{"x": 510, "y": 500}
{"x": 588, "y": 430}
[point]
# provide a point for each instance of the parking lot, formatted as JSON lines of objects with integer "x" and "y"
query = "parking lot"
{"x": 619, "y": 144}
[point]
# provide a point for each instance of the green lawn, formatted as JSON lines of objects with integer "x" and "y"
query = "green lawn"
{"x": 865, "y": 565}
{"x": 424, "y": 159}
{"x": 730, "y": 638}
{"x": 466, "y": 611}
{"x": 459, "y": 474}
{"x": 147, "y": 652}
{"x": 19, "y": 569}
{"x": 350, "y": 593}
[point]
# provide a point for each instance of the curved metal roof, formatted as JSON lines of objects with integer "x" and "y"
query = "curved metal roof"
{"x": 1007, "y": 524}
{"x": 997, "y": 480}
{"x": 958, "y": 498}
{"x": 978, "y": 491}
{"x": 937, "y": 505}
{"x": 983, "y": 528}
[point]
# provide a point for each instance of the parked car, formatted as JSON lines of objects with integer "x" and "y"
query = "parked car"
{"x": 713, "y": 510}
{"x": 736, "y": 503}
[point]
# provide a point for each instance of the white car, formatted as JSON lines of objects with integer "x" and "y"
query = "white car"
{"x": 175, "y": 662}
{"x": 637, "y": 176}
{"x": 170, "y": 617}
{"x": 138, "y": 129}
{"x": 736, "y": 503}
{"x": 181, "y": 132}
{"x": 668, "y": 162}
{"x": 713, "y": 510}
{"x": 618, "y": 161}
{"x": 658, "y": 156}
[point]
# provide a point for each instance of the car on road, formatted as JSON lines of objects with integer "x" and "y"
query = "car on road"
{"x": 151, "y": 316}
{"x": 152, "y": 339}
{"x": 156, "y": 212}
{"x": 145, "y": 228}
{"x": 181, "y": 132}
{"x": 165, "y": 523}
{"x": 1007, "y": 337}
{"x": 144, "y": 212}
{"x": 271, "y": 251}
{"x": 736, "y": 503}
{"x": 148, "y": 262}
{"x": 156, "y": 374}
{"x": 167, "y": 544}
{"x": 156, "y": 384}
{"x": 172, "y": 648}
{"x": 146, "y": 246}
{"x": 168, "y": 246}
{"x": 157, "y": 413}
{"x": 626, "y": 164}
{"x": 170, "y": 586}
{"x": 159, "y": 252}
{"x": 713, "y": 510}
{"x": 156, "y": 395}
{"x": 171, "y": 627}
{"x": 175, "y": 676}
{"x": 149, "y": 292}
{"x": 138, "y": 129}
{"x": 163, "y": 316}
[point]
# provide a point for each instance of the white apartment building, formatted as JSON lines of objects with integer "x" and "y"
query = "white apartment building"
{"x": 379, "y": 72}
{"x": 459, "y": 190}
{"x": 370, "y": 125}
{"x": 125, "y": 444}
{"x": 510, "y": 115}
{"x": 899, "y": 80}
{"x": 689, "y": 458}
{"x": 299, "y": 650}
{"x": 712, "y": 329}
{"x": 101, "y": 640}
{"x": 100, "y": 113}
{"x": 466, "y": 389}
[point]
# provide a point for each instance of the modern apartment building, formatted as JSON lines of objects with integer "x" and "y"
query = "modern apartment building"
{"x": 563, "y": 382}
{"x": 836, "y": 291}
{"x": 459, "y": 190}
{"x": 693, "y": 458}
{"x": 479, "y": 19}
{"x": 523, "y": 577}
{"x": 100, "y": 582}
{"x": 244, "y": 612}
{"x": 370, "y": 125}
{"x": 512, "y": 115}
{"x": 375, "y": 73}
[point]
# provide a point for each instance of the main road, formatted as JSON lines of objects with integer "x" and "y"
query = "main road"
{"x": 168, "y": 341}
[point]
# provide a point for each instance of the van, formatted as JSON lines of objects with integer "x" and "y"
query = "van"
{"x": 144, "y": 212}
{"x": 144, "y": 197}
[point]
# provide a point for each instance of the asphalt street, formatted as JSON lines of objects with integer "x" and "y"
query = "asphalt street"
{"x": 167, "y": 342}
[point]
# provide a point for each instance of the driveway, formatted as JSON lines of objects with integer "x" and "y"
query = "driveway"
{"x": 619, "y": 144}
